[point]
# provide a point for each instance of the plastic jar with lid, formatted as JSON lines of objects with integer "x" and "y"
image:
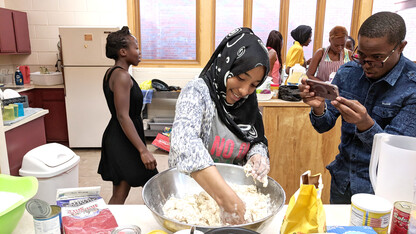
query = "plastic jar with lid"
{"x": 274, "y": 88}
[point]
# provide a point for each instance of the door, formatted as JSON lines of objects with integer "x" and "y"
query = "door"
{"x": 86, "y": 108}
{"x": 21, "y": 32}
{"x": 7, "y": 40}
{"x": 85, "y": 46}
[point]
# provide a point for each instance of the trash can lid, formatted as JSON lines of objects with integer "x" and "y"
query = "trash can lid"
{"x": 48, "y": 160}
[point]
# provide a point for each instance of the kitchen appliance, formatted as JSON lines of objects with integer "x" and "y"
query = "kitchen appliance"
{"x": 84, "y": 65}
{"x": 393, "y": 166}
{"x": 171, "y": 182}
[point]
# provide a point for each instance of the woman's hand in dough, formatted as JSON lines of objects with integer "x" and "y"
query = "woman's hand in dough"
{"x": 260, "y": 165}
{"x": 232, "y": 211}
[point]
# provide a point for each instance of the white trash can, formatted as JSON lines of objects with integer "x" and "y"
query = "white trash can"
{"x": 55, "y": 166}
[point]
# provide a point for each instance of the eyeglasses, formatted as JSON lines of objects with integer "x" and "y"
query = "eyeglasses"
{"x": 377, "y": 64}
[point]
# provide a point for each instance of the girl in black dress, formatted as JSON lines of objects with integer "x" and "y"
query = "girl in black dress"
{"x": 125, "y": 159}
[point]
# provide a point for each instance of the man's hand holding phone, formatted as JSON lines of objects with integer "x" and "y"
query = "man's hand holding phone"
{"x": 351, "y": 110}
{"x": 309, "y": 97}
{"x": 323, "y": 89}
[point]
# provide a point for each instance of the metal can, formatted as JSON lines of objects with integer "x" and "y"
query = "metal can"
{"x": 47, "y": 218}
{"x": 400, "y": 219}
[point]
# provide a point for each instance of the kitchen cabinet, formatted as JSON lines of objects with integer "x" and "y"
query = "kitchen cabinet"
{"x": 14, "y": 32}
{"x": 295, "y": 146}
{"x": 52, "y": 99}
{"x": 31, "y": 97}
{"x": 23, "y": 136}
{"x": 55, "y": 123}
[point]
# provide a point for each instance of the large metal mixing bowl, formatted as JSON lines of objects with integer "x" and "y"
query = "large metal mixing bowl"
{"x": 173, "y": 183}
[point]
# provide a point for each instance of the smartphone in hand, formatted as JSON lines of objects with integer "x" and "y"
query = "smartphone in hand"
{"x": 323, "y": 89}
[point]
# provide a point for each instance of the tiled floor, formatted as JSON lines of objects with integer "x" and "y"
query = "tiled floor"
{"x": 88, "y": 175}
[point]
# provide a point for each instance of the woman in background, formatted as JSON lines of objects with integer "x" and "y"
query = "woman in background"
{"x": 326, "y": 61}
{"x": 302, "y": 36}
{"x": 350, "y": 44}
{"x": 125, "y": 159}
{"x": 274, "y": 45}
{"x": 221, "y": 106}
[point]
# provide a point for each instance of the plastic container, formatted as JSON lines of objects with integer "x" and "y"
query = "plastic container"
{"x": 24, "y": 186}
{"x": 295, "y": 74}
{"x": 55, "y": 166}
{"x": 18, "y": 76}
{"x": 8, "y": 113}
{"x": 371, "y": 210}
{"x": 274, "y": 88}
{"x": 53, "y": 78}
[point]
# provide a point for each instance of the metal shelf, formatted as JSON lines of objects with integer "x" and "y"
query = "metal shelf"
{"x": 160, "y": 95}
{"x": 166, "y": 94}
{"x": 151, "y": 133}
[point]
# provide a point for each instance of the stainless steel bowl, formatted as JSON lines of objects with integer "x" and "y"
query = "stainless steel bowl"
{"x": 173, "y": 183}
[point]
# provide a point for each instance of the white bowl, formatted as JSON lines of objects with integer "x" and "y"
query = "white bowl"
{"x": 264, "y": 96}
{"x": 10, "y": 93}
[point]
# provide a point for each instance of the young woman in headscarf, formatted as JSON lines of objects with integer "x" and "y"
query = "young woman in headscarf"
{"x": 218, "y": 120}
{"x": 302, "y": 36}
{"x": 326, "y": 61}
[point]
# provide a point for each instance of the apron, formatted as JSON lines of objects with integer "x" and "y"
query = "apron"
{"x": 224, "y": 146}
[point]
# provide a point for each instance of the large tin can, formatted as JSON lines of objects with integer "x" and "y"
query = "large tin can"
{"x": 400, "y": 219}
{"x": 46, "y": 218}
{"x": 370, "y": 210}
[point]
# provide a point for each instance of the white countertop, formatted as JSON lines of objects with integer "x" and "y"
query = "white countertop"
{"x": 26, "y": 87}
{"x": 26, "y": 120}
{"x": 142, "y": 217}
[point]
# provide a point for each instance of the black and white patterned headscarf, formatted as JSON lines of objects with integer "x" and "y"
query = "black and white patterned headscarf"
{"x": 239, "y": 52}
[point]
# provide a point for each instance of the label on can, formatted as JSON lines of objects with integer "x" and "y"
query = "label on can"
{"x": 378, "y": 221}
{"x": 401, "y": 215}
{"x": 50, "y": 224}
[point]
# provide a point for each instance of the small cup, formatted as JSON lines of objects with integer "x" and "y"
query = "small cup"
{"x": 16, "y": 109}
{"x": 8, "y": 113}
{"x": 20, "y": 109}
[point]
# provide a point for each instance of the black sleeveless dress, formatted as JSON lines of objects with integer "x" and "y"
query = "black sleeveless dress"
{"x": 120, "y": 160}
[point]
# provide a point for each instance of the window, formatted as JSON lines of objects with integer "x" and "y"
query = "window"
{"x": 228, "y": 16}
{"x": 265, "y": 17}
{"x": 337, "y": 13}
{"x": 407, "y": 10}
{"x": 300, "y": 13}
{"x": 168, "y": 29}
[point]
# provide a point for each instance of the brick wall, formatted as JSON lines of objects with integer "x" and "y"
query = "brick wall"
{"x": 45, "y": 17}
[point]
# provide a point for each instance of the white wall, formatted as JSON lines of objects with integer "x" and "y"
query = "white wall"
{"x": 45, "y": 17}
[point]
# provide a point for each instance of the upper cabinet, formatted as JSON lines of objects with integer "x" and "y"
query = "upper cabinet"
{"x": 14, "y": 32}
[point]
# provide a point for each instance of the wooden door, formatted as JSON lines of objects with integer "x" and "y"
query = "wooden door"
{"x": 21, "y": 32}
